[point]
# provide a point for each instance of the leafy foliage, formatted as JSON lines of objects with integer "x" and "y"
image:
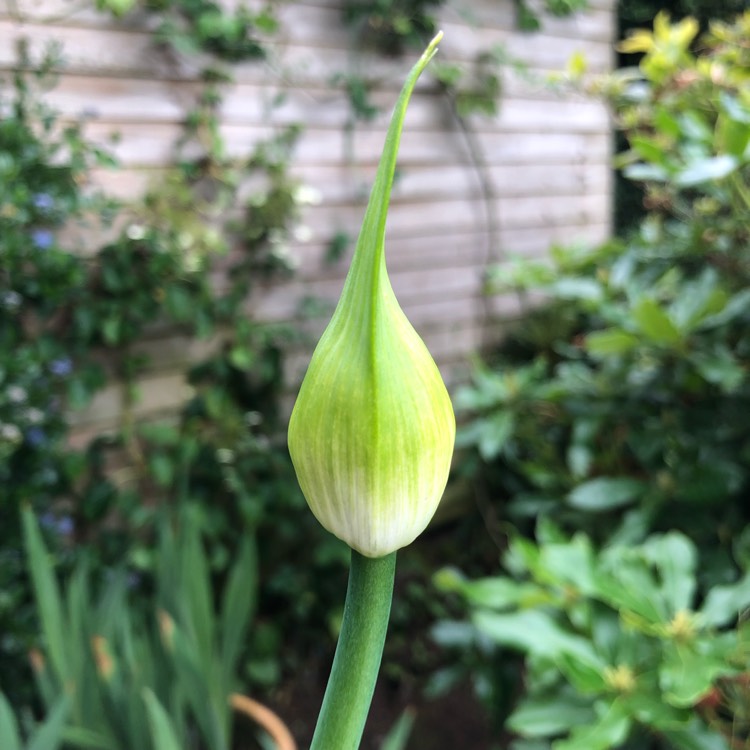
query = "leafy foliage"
{"x": 133, "y": 679}
{"x": 614, "y": 411}
{"x": 617, "y": 646}
{"x": 529, "y": 19}
{"x": 190, "y": 27}
{"x": 623, "y": 395}
{"x": 44, "y": 736}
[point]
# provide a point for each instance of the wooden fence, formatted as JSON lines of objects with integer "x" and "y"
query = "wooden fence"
{"x": 544, "y": 158}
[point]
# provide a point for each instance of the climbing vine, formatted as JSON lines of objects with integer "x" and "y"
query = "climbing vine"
{"x": 390, "y": 27}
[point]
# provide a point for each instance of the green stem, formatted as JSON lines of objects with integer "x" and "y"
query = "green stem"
{"x": 358, "y": 654}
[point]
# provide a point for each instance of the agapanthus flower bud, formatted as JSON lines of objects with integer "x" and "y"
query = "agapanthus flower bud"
{"x": 371, "y": 434}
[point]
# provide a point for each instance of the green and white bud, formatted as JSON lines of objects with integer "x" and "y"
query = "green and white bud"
{"x": 371, "y": 434}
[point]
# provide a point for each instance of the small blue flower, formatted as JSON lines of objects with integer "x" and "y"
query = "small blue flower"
{"x": 65, "y": 526}
{"x": 42, "y": 239}
{"x": 61, "y": 367}
{"x": 61, "y": 525}
{"x": 36, "y": 437}
{"x": 43, "y": 201}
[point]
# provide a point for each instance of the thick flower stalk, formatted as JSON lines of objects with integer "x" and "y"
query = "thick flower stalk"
{"x": 371, "y": 434}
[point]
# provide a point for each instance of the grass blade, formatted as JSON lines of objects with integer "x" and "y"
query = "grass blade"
{"x": 10, "y": 739}
{"x": 399, "y": 734}
{"x": 50, "y": 734}
{"x": 163, "y": 733}
{"x": 47, "y": 595}
{"x": 237, "y": 607}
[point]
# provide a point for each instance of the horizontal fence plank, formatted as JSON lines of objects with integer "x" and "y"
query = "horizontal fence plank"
{"x": 137, "y": 100}
{"x": 433, "y": 217}
{"x": 152, "y": 145}
{"x": 341, "y": 184}
{"x": 453, "y": 248}
{"x": 160, "y": 393}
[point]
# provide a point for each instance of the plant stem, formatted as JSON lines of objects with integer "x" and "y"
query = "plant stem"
{"x": 358, "y": 654}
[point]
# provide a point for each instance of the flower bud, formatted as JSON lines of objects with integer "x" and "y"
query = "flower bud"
{"x": 371, "y": 434}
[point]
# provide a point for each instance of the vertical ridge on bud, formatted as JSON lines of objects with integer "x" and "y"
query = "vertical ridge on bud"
{"x": 371, "y": 434}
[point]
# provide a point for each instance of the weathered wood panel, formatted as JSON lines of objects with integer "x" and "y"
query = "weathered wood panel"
{"x": 536, "y": 174}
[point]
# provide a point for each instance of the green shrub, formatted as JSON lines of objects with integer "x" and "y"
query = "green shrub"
{"x": 616, "y": 409}
{"x": 619, "y": 406}
{"x": 619, "y": 650}
{"x": 130, "y": 675}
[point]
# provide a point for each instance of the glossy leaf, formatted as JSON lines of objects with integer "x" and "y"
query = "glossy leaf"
{"x": 605, "y": 493}
{"x": 610, "y": 341}
{"x": 703, "y": 170}
{"x": 536, "y": 632}
{"x": 675, "y": 557}
{"x": 724, "y": 604}
{"x": 609, "y": 731}
{"x": 654, "y": 322}
{"x": 542, "y": 717}
{"x": 689, "y": 670}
